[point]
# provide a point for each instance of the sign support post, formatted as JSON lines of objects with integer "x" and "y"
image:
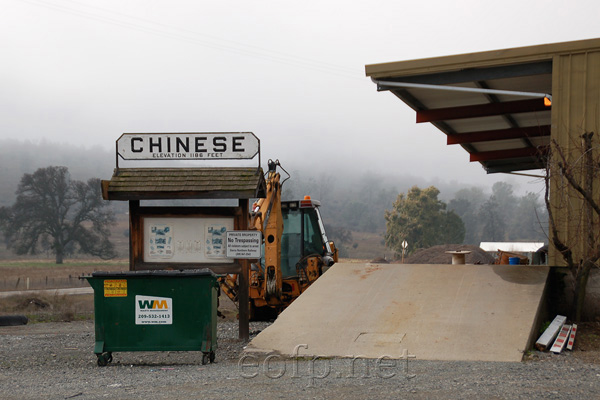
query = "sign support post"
{"x": 244, "y": 278}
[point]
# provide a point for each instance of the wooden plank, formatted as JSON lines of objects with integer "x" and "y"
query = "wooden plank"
{"x": 550, "y": 333}
{"x": 571, "y": 341}
{"x": 135, "y": 234}
{"x": 561, "y": 339}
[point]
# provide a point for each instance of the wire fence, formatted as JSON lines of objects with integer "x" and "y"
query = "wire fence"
{"x": 48, "y": 282}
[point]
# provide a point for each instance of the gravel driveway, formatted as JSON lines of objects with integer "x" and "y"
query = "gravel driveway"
{"x": 56, "y": 361}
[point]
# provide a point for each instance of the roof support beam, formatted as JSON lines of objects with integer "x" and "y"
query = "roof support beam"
{"x": 494, "y": 99}
{"x": 510, "y": 168}
{"x": 510, "y": 153}
{"x": 500, "y": 134}
{"x": 388, "y": 85}
{"x": 507, "y": 117}
{"x": 482, "y": 110}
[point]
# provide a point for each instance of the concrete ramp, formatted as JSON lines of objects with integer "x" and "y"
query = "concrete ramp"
{"x": 435, "y": 312}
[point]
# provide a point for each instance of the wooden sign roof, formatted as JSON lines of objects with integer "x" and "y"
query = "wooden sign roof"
{"x": 184, "y": 183}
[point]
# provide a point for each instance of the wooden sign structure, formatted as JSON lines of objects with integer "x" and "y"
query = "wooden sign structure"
{"x": 187, "y": 237}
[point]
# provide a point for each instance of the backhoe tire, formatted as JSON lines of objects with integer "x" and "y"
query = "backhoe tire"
{"x": 262, "y": 313}
{"x": 13, "y": 320}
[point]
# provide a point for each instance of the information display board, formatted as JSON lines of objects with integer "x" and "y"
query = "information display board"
{"x": 186, "y": 239}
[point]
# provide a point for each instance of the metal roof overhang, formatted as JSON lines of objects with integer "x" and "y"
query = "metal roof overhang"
{"x": 490, "y": 103}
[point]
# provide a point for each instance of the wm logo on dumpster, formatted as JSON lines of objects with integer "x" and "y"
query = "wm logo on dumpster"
{"x": 150, "y": 310}
{"x": 153, "y": 304}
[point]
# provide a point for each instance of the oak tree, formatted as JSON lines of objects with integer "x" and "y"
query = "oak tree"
{"x": 421, "y": 219}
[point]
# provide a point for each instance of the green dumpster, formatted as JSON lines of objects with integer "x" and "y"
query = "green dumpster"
{"x": 155, "y": 311}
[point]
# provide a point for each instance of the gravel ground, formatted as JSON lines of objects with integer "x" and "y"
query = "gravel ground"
{"x": 56, "y": 361}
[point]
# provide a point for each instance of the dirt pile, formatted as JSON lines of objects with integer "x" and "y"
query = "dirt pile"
{"x": 438, "y": 255}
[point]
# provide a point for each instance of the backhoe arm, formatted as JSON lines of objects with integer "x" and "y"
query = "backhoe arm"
{"x": 267, "y": 218}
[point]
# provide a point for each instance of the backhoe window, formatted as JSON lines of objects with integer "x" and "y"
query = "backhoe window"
{"x": 291, "y": 245}
{"x": 313, "y": 243}
{"x": 297, "y": 242}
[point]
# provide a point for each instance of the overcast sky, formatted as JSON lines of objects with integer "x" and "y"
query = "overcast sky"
{"x": 84, "y": 71}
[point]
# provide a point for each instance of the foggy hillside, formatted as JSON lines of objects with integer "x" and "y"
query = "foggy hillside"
{"x": 18, "y": 158}
{"x": 323, "y": 183}
{"x": 352, "y": 200}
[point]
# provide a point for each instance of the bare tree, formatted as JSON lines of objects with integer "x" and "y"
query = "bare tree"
{"x": 57, "y": 213}
{"x": 570, "y": 179}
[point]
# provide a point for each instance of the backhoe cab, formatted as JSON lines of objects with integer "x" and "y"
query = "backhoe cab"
{"x": 295, "y": 250}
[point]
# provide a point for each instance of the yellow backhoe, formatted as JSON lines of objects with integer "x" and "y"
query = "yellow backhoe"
{"x": 296, "y": 250}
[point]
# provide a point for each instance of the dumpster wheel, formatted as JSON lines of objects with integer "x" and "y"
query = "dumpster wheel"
{"x": 104, "y": 359}
{"x": 206, "y": 357}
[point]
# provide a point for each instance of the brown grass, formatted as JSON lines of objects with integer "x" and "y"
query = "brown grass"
{"x": 45, "y": 274}
{"x": 367, "y": 246}
{"x": 49, "y": 308}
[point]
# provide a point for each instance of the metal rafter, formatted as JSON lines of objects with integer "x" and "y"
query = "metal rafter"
{"x": 482, "y": 110}
{"x": 510, "y": 153}
{"x": 499, "y": 134}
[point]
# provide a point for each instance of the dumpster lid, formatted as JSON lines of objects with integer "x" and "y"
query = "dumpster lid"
{"x": 158, "y": 273}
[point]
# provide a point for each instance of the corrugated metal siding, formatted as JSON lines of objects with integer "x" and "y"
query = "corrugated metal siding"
{"x": 575, "y": 111}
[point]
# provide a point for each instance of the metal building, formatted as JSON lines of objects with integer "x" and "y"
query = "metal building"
{"x": 506, "y": 108}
